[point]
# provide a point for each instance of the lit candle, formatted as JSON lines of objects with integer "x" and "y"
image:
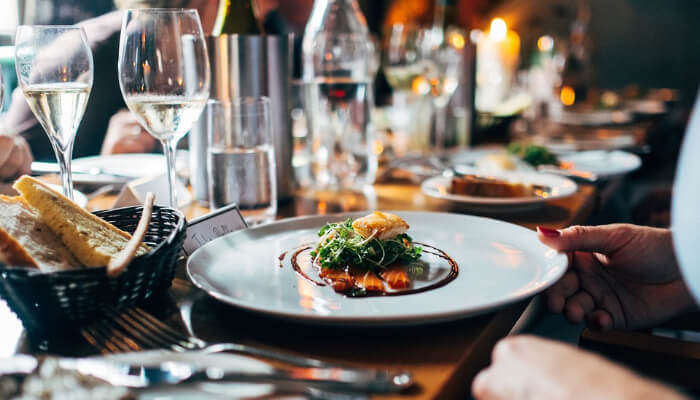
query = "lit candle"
{"x": 497, "y": 56}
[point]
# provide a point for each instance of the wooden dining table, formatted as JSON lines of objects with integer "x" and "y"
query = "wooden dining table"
{"x": 443, "y": 357}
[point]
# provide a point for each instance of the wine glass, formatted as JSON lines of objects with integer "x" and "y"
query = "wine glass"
{"x": 440, "y": 77}
{"x": 164, "y": 75}
{"x": 404, "y": 64}
{"x": 54, "y": 68}
{"x": 403, "y": 60}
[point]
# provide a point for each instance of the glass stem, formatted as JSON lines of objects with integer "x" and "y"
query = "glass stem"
{"x": 64, "y": 162}
{"x": 440, "y": 127}
{"x": 170, "y": 149}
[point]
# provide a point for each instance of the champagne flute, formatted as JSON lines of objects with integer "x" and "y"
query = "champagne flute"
{"x": 164, "y": 75}
{"x": 54, "y": 68}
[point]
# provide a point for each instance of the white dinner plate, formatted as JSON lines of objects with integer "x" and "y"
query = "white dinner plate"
{"x": 439, "y": 187}
{"x": 118, "y": 168}
{"x": 499, "y": 263}
{"x": 605, "y": 164}
{"x": 594, "y": 117}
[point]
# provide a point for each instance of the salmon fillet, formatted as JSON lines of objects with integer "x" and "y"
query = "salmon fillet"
{"x": 396, "y": 276}
{"x": 369, "y": 281}
{"x": 340, "y": 280}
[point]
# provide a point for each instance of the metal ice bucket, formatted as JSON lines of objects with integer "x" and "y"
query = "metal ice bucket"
{"x": 242, "y": 66}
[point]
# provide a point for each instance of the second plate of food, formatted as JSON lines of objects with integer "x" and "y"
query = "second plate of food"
{"x": 444, "y": 267}
{"x": 505, "y": 191}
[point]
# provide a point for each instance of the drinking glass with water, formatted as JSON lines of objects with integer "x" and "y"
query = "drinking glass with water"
{"x": 241, "y": 159}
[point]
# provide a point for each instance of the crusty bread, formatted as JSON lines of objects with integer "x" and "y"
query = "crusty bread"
{"x": 91, "y": 240}
{"x": 25, "y": 240}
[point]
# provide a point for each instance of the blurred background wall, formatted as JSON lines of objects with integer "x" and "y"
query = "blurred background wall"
{"x": 645, "y": 42}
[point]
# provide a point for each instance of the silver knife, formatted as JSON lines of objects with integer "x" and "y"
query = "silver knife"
{"x": 176, "y": 372}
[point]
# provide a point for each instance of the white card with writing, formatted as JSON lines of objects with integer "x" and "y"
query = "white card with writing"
{"x": 209, "y": 227}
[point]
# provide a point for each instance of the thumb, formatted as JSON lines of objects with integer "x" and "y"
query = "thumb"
{"x": 603, "y": 239}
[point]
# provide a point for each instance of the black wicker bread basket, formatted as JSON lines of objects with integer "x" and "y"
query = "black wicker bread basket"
{"x": 64, "y": 299}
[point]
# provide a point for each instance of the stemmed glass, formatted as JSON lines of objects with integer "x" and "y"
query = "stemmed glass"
{"x": 54, "y": 68}
{"x": 441, "y": 76}
{"x": 164, "y": 75}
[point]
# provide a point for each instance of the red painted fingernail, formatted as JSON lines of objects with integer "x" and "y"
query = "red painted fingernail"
{"x": 548, "y": 232}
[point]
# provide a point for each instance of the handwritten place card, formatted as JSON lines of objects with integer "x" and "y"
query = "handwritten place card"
{"x": 209, "y": 227}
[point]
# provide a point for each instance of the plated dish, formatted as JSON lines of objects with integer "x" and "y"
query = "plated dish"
{"x": 507, "y": 191}
{"x": 498, "y": 263}
{"x": 604, "y": 164}
{"x": 370, "y": 256}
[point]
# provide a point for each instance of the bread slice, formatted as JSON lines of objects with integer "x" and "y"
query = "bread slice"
{"x": 91, "y": 240}
{"x": 25, "y": 240}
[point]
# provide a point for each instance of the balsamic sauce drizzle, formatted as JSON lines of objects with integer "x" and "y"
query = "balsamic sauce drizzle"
{"x": 454, "y": 271}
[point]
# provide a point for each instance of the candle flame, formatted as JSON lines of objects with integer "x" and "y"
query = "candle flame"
{"x": 567, "y": 95}
{"x": 498, "y": 29}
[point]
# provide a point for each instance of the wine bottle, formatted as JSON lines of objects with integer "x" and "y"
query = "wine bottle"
{"x": 237, "y": 16}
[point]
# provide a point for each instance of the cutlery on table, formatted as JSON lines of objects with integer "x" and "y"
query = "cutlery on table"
{"x": 180, "y": 372}
{"x": 135, "y": 330}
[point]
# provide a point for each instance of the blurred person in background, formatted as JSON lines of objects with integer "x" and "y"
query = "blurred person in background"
{"x": 108, "y": 127}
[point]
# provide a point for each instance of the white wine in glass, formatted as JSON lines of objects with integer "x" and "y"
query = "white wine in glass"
{"x": 168, "y": 117}
{"x": 164, "y": 75}
{"x": 59, "y": 107}
{"x": 55, "y": 71}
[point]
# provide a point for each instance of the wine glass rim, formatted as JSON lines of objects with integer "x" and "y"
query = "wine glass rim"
{"x": 163, "y": 10}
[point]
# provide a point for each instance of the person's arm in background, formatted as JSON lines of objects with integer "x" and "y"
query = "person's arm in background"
{"x": 126, "y": 135}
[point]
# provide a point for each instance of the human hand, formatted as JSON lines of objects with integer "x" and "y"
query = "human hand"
{"x": 15, "y": 157}
{"x": 527, "y": 367}
{"x": 620, "y": 276}
{"x": 125, "y": 135}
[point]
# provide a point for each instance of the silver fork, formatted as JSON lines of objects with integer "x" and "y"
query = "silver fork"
{"x": 135, "y": 329}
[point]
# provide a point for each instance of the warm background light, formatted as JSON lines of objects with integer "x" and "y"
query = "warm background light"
{"x": 567, "y": 95}
{"x": 545, "y": 43}
{"x": 457, "y": 40}
{"x": 498, "y": 29}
